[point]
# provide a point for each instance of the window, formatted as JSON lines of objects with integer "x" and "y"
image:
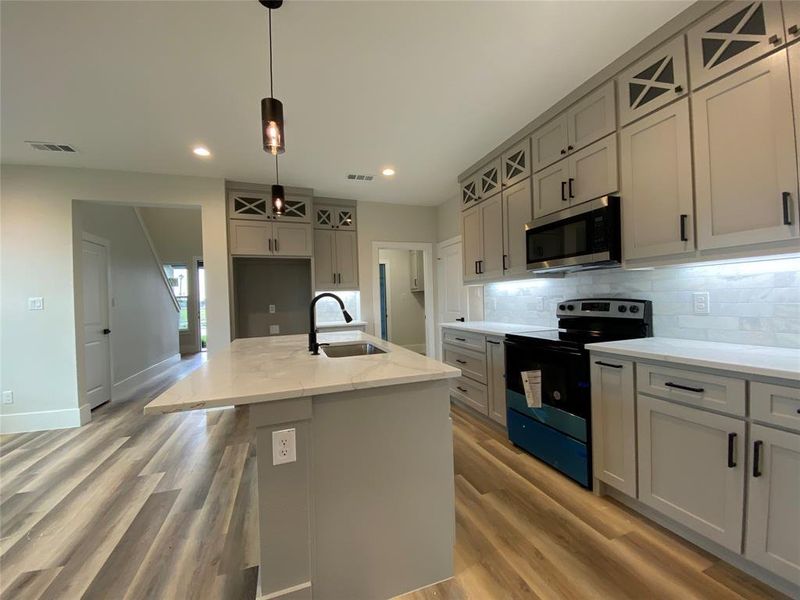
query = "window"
{"x": 178, "y": 277}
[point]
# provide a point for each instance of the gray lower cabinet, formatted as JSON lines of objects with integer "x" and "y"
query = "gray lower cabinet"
{"x": 614, "y": 412}
{"x": 692, "y": 468}
{"x": 482, "y": 362}
{"x": 745, "y": 157}
{"x": 656, "y": 184}
{"x": 773, "y": 501}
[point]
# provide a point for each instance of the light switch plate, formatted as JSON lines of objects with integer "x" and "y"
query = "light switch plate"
{"x": 8, "y": 397}
{"x": 702, "y": 303}
{"x": 272, "y": 309}
{"x": 36, "y": 303}
{"x": 274, "y": 329}
{"x": 284, "y": 449}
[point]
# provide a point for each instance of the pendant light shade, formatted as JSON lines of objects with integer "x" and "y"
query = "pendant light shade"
{"x": 278, "y": 200}
{"x": 272, "y": 125}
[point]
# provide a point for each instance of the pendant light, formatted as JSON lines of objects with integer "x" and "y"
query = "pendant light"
{"x": 272, "y": 108}
{"x": 278, "y": 193}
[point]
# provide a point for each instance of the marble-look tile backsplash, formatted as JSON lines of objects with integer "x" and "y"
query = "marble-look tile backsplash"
{"x": 751, "y": 303}
{"x": 328, "y": 310}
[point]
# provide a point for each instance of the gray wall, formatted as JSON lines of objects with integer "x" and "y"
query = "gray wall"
{"x": 751, "y": 303}
{"x": 407, "y": 314}
{"x": 144, "y": 320}
{"x": 448, "y": 217}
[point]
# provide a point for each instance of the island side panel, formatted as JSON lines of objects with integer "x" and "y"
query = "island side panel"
{"x": 382, "y": 490}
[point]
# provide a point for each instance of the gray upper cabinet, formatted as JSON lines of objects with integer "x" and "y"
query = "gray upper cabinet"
{"x": 656, "y": 171}
{"x": 489, "y": 179}
{"x": 516, "y": 163}
{"x": 517, "y": 210}
{"x": 549, "y": 143}
{"x": 736, "y": 34}
{"x": 471, "y": 242}
{"x": 491, "y": 264}
{"x": 791, "y": 19}
{"x": 335, "y": 259}
{"x": 335, "y": 217}
{"x": 470, "y": 191}
{"x": 745, "y": 158}
{"x": 654, "y": 81}
{"x": 794, "y": 74}
{"x": 550, "y": 189}
{"x": 257, "y": 206}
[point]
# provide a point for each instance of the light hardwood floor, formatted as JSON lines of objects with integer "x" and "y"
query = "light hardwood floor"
{"x": 164, "y": 507}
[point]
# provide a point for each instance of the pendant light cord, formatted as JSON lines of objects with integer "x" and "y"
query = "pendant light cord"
{"x": 269, "y": 18}
{"x": 277, "y": 175}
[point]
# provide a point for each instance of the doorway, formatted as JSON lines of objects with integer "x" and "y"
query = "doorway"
{"x": 403, "y": 294}
{"x": 96, "y": 287}
{"x": 202, "y": 324}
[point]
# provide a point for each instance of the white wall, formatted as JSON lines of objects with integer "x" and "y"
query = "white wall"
{"x": 144, "y": 319}
{"x": 41, "y": 358}
{"x": 378, "y": 222}
{"x": 448, "y": 219}
{"x": 407, "y": 314}
{"x": 177, "y": 234}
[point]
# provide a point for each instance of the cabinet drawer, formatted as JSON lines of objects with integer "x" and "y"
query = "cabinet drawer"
{"x": 470, "y": 393}
{"x": 724, "y": 394}
{"x": 775, "y": 404}
{"x": 465, "y": 339}
{"x": 472, "y": 364}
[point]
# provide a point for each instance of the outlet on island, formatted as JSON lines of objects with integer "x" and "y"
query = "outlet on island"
{"x": 283, "y": 447}
{"x": 274, "y": 329}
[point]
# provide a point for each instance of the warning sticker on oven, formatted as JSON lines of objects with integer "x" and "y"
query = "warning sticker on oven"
{"x": 532, "y": 382}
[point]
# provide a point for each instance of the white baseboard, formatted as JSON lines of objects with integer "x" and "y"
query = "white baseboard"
{"x": 127, "y": 385}
{"x": 44, "y": 420}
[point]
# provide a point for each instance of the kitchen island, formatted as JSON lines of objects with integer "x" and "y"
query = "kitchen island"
{"x": 366, "y": 509}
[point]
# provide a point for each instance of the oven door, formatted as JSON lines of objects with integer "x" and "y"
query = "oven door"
{"x": 587, "y": 235}
{"x": 566, "y": 396}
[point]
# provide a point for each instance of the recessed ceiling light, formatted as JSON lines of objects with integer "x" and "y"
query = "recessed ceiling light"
{"x": 201, "y": 151}
{"x": 388, "y": 172}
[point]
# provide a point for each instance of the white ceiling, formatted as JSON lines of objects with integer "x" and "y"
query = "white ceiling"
{"x": 426, "y": 87}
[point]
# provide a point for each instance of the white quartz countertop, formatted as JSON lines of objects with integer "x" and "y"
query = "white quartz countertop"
{"x": 492, "y": 327}
{"x": 337, "y": 324}
{"x": 782, "y": 363}
{"x": 256, "y": 370}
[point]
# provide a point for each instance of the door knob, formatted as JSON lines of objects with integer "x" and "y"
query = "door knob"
{"x": 106, "y": 331}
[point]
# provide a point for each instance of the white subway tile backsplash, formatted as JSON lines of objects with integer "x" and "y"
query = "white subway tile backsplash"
{"x": 751, "y": 303}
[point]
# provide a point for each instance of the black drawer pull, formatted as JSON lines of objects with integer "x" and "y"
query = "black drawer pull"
{"x": 461, "y": 362}
{"x": 461, "y": 339}
{"x": 498, "y": 343}
{"x": 460, "y": 389}
{"x": 787, "y": 218}
{"x": 605, "y": 364}
{"x": 757, "y": 445}
{"x": 731, "y": 449}
{"x": 684, "y": 387}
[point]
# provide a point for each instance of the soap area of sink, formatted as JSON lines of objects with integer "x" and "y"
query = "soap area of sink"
{"x": 355, "y": 349}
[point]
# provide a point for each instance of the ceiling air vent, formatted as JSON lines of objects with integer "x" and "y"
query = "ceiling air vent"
{"x": 50, "y": 146}
{"x": 354, "y": 177}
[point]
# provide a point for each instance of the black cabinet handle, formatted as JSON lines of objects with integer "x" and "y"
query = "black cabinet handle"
{"x": 461, "y": 362}
{"x": 461, "y": 339}
{"x": 571, "y": 180}
{"x": 563, "y": 151}
{"x": 570, "y": 148}
{"x": 270, "y": 244}
{"x": 793, "y": 30}
{"x": 460, "y": 389}
{"x": 684, "y": 387}
{"x": 684, "y": 218}
{"x": 605, "y": 364}
{"x": 505, "y": 258}
{"x": 787, "y": 218}
{"x": 757, "y": 445}
{"x": 476, "y": 267}
{"x": 480, "y": 267}
{"x": 774, "y": 40}
{"x": 731, "y": 450}
{"x": 678, "y": 89}
{"x": 461, "y": 319}
{"x": 276, "y": 244}
{"x": 563, "y": 191}
{"x": 106, "y": 331}
{"x": 492, "y": 342}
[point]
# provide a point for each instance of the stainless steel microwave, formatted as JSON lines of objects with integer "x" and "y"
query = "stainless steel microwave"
{"x": 586, "y": 236}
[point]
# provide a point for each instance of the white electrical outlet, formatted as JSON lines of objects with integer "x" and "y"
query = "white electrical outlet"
{"x": 702, "y": 303}
{"x": 283, "y": 447}
{"x": 36, "y": 303}
{"x": 274, "y": 329}
{"x": 272, "y": 309}
{"x": 8, "y": 397}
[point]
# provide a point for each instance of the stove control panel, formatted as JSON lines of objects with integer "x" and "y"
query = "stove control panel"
{"x": 601, "y": 307}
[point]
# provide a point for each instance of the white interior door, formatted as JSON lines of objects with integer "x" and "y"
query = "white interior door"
{"x": 452, "y": 293}
{"x": 97, "y": 348}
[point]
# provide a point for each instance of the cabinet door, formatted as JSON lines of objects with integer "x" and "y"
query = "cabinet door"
{"x": 745, "y": 160}
{"x": 250, "y": 238}
{"x": 517, "y": 210}
{"x": 773, "y": 502}
{"x": 491, "y": 264}
{"x": 656, "y": 168}
{"x": 794, "y": 71}
{"x": 656, "y": 80}
{"x": 291, "y": 239}
{"x": 593, "y": 171}
{"x": 472, "y": 242}
{"x": 324, "y": 259}
{"x": 791, "y": 19}
{"x": 732, "y": 36}
{"x": 249, "y": 205}
{"x": 489, "y": 179}
{"x": 296, "y": 208}
{"x": 614, "y": 423}
{"x": 416, "y": 271}
{"x": 344, "y": 218}
{"x": 346, "y": 259}
{"x": 324, "y": 217}
{"x": 517, "y": 163}
{"x": 592, "y": 118}
{"x": 550, "y": 189}
{"x": 686, "y": 470}
{"x": 495, "y": 355}
{"x": 469, "y": 191}
{"x": 549, "y": 143}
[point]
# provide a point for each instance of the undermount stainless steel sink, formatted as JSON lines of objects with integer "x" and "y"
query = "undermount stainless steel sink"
{"x": 357, "y": 349}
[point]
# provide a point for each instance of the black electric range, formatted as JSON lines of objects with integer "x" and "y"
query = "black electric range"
{"x": 554, "y": 423}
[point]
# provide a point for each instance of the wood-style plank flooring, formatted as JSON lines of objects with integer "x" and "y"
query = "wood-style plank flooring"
{"x": 164, "y": 507}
